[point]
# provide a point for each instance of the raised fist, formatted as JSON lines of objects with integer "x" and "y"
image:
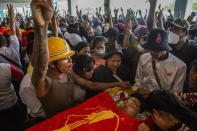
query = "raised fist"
{"x": 42, "y": 12}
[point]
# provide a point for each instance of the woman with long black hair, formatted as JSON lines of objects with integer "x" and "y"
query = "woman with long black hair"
{"x": 168, "y": 113}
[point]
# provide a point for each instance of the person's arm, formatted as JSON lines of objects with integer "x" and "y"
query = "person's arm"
{"x": 54, "y": 25}
{"x": 191, "y": 17}
{"x": 18, "y": 33}
{"x": 134, "y": 18}
{"x": 122, "y": 13}
{"x": 116, "y": 14}
{"x": 170, "y": 12}
{"x": 145, "y": 16}
{"x": 98, "y": 86}
{"x": 151, "y": 15}
{"x": 12, "y": 20}
{"x": 160, "y": 14}
{"x": 110, "y": 20}
{"x": 12, "y": 51}
{"x": 42, "y": 14}
{"x": 179, "y": 16}
{"x": 127, "y": 36}
{"x": 142, "y": 18}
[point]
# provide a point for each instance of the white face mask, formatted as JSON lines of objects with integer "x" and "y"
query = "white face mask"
{"x": 173, "y": 38}
{"x": 100, "y": 52}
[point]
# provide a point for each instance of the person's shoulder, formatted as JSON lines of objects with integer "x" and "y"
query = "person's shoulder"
{"x": 145, "y": 57}
{"x": 100, "y": 68}
{"x": 13, "y": 37}
{"x": 4, "y": 67}
{"x": 26, "y": 84}
{"x": 177, "y": 60}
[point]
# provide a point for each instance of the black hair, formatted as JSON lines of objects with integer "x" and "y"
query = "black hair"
{"x": 2, "y": 39}
{"x": 121, "y": 38}
{"x": 29, "y": 48}
{"x": 193, "y": 22}
{"x": 74, "y": 28}
{"x": 98, "y": 39}
{"x": 83, "y": 64}
{"x": 194, "y": 63}
{"x": 112, "y": 32}
{"x": 164, "y": 100}
{"x": 141, "y": 99}
{"x": 80, "y": 46}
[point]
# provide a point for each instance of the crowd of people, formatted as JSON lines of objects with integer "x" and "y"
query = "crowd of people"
{"x": 50, "y": 63}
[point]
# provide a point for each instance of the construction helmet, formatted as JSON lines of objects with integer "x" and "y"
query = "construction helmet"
{"x": 58, "y": 49}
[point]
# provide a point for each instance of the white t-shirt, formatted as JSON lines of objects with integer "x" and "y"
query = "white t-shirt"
{"x": 30, "y": 99}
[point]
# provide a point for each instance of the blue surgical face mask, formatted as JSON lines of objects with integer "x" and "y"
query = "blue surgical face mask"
{"x": 100, "y": 52}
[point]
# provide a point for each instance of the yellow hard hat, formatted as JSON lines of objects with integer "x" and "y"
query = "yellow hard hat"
{"x": 58, "y": 49}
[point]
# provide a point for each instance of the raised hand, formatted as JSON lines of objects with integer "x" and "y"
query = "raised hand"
{"x": 146, "y": 11}
{"x": 12, "y": 20}
{"x": 55, "y": 23}
{"x": 42, "y": 12}
{"x": 140, "y": 12}
{"x": 100, "y": 10}
{"x": 121, "y": 9}
{"x": 179, "y": 16}
{"x": 160, "y": 11}
{"x": 170, "y": 11}
{"x": 11, "y": 13}
{"x": 136, "y": 13}
{"x": 152, "y": 1}
{"x": 193, "y": 14}
{"x": 129, "y": 30}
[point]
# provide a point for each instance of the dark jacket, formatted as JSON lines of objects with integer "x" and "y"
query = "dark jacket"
{"x": 104, "y": 74}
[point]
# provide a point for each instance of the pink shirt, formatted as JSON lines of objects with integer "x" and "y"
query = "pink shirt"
{"x": 98, "y": 62}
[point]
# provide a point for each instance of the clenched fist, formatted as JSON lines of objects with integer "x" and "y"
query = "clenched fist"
{"x": 42, "y": 12}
